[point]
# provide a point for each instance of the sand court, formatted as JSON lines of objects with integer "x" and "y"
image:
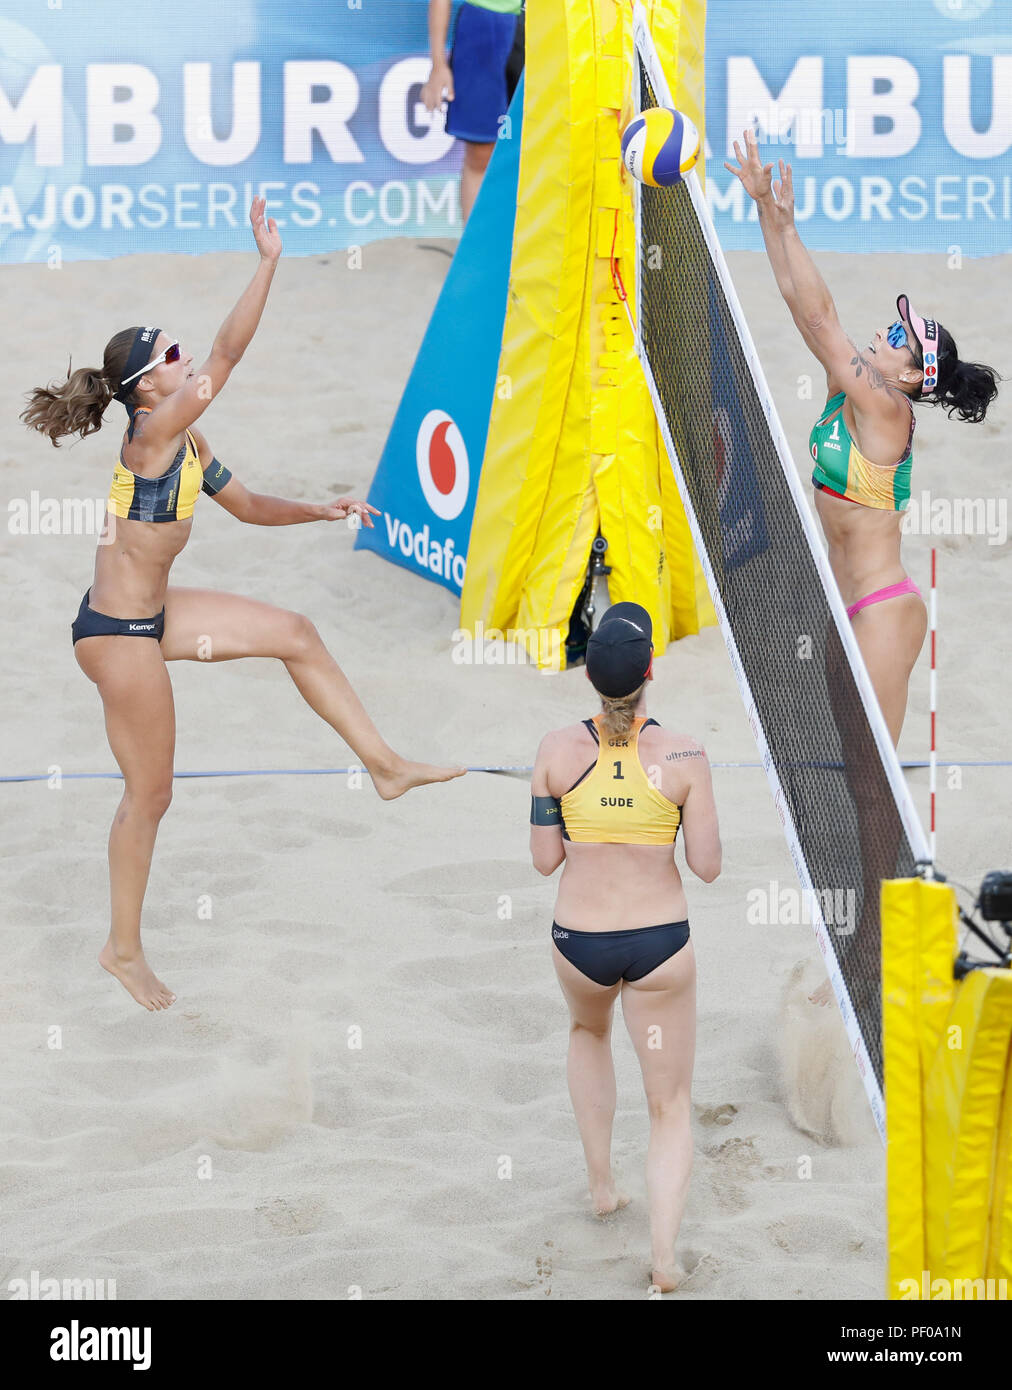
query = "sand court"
{"x": 362, "y": 1084}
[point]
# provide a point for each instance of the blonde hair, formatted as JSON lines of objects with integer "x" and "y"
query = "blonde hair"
{"x": 619, "y": 713}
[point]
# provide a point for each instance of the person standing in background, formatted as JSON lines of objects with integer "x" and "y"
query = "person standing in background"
{"x": 477, "y": 80}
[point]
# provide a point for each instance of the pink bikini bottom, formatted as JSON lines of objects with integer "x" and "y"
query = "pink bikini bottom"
{"x": 905, "y": 586}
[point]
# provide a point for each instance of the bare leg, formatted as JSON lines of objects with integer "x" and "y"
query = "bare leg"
{"x": 590, "y": 1071}
{"x": 476, "y": 158}
{"x": 660, "y": 1013}
{"x": 140, "y": 722}
{"x": 202, "y": 624}
{"x": 890, "y": 636}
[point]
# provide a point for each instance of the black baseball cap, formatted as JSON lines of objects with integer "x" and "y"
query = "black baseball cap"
{"x": 619, "y": 650}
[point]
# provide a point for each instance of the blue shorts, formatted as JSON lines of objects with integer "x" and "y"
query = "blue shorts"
{"x": 482, "y": 44}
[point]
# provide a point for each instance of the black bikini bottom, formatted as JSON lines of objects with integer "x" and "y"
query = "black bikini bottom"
{"x": 609, "y": 956}
{"x": 88, "y": 623}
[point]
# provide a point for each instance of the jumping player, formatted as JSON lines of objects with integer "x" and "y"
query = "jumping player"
{"x": 862, "y": 444}
{"x": 131, "y": 621}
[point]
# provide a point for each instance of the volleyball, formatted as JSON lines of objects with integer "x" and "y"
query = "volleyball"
{"x": 659, "y": 146}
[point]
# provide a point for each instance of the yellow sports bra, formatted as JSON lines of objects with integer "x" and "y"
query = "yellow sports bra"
{"x": 170, "y": 497}
{"x": 614, "y": 802}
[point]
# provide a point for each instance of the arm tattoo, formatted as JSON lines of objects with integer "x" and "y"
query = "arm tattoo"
{"x": 689, "y": 753}
{"x": 875, "y": 378}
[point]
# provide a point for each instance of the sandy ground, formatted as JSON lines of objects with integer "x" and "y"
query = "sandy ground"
{"x": 244, "y": 1144}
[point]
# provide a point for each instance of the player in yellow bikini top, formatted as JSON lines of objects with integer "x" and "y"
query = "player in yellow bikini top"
{"x": 171, "y": 496}
{"x": 615, "y": 802}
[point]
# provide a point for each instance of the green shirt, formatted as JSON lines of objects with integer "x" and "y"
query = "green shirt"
{"x": 500, "y": 6}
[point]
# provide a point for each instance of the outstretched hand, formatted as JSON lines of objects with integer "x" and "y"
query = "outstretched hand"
{"x": 265, "y": 232}
{"x": 783, "y": 194}
{"x": 757, "y": 180}
{"x": 755, "y": 176}
{"x": 346, "y": 506}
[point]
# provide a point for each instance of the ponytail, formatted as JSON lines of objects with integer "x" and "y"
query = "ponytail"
{"x": 968, "y": 391}
{"x": 965, "y": 389}
{"x": 619, "y": 714}
{"x": 76, "y": 406}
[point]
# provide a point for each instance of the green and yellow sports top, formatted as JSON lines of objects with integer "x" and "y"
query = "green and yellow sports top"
{"x": 842, "y": 470}
{"x": 171, "y": 496}
{"x": 614, "y": 802}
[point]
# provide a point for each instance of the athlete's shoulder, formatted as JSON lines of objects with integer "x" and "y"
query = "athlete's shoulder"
{"x": 565, "y": 737}
{"x": 675, "y": 747}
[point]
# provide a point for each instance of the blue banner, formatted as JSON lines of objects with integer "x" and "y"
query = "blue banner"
{"x": 141, "y": 127}
{"x": 895, "y": 115}
{"x": 426, "y": 483}
{"x": 150, "y": 127}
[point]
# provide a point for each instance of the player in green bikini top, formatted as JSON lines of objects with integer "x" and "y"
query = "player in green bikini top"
{"x": 842, "y": 470}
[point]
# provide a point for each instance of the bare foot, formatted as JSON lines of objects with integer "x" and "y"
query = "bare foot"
{"x": 822, "y": 995}
{"x": 607, "y": 1199}
{"x": 666, "y": 1279}
{"x": 402, "y": 776}
{"x": 137, "y": 977}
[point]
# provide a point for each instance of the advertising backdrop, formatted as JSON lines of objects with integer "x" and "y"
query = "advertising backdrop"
{"x": 150, "y": 127}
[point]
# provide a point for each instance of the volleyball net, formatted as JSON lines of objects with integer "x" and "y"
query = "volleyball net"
{"x": 836, "y": 780}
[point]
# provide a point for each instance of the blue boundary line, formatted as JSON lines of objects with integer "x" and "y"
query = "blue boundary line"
{"x": 344, "y": 771}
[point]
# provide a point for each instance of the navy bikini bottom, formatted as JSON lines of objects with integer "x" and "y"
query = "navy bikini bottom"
{"x": 609, "y": 956}
{"x": 88, "y": 623}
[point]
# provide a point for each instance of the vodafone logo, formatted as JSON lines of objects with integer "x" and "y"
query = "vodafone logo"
{"x": 442, "y": 464}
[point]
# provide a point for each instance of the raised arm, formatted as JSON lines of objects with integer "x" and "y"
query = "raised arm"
{"x": 170, "y": 417}
{"x": 848, "y": 368}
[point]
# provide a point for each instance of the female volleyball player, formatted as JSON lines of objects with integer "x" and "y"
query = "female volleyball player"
{"x": 862, "y": 444}
{"x": 163, "y": 464}
{"x": 608, "y": 798}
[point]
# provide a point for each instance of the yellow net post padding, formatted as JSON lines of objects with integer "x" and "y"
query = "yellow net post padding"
{"x": 948, "y": 1095}
{"x": 573, "y": 445}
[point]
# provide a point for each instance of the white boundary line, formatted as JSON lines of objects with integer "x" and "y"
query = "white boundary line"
{"x": 646, "y": 52}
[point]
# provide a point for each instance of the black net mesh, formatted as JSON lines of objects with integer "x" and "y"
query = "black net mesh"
{"x": 806, "y": 697}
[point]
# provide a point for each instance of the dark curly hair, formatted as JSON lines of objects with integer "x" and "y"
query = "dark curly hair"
{"x": 965, "y": 389}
